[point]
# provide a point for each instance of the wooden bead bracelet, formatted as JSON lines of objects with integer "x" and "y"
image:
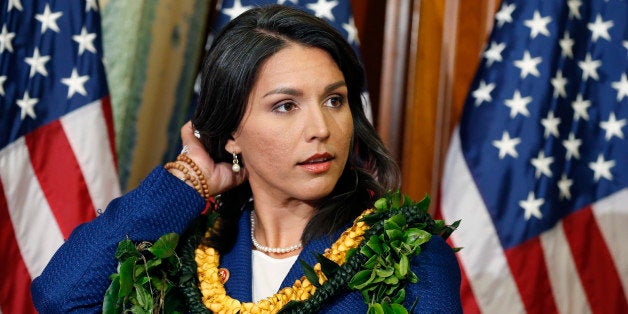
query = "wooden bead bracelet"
{"x": 196, "y": 179}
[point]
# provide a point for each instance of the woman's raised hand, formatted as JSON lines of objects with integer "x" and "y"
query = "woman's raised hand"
{"x": 218, "y": 175}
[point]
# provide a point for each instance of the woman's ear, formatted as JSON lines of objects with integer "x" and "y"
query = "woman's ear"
{"x": 232, "y": 146}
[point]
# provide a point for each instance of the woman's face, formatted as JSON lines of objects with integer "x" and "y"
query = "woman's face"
{"x": 297, "y": 128}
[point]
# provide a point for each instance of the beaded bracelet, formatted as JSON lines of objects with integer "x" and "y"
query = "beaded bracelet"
{"x": 197, "y": 180}
{"x": 180, "y": 166}
{"x": 201, "y": 178}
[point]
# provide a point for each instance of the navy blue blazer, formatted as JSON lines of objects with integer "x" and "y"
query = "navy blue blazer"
{"x": 77, "y": 276}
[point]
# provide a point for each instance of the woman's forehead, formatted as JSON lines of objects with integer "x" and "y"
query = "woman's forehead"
{"x": 301, "y": 64}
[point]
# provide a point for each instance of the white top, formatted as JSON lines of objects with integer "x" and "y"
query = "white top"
{"x": 269, "y": 273}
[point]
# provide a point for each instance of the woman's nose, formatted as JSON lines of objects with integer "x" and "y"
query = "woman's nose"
{"x": 317, "y": 124}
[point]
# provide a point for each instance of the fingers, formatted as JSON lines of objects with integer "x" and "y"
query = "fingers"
{"x": 187, "y": 134}
{"x": 219, "y": 175}
{"x": 193, "y": 147}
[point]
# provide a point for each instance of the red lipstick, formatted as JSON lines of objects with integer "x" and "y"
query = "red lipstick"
{"x": 317, "y": 163}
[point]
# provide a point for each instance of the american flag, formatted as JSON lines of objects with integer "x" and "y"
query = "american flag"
{"x": 538, "y": 167}
{"x": 57, "y": 161}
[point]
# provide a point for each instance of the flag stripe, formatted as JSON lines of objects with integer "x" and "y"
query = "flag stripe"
{"x": 466, "y": 293}
{"x": 486, "y": 265}
{"x": 53, "y": 160}
{"x": 594, "y": 263}
{"x": 467, "y": 298}
{"x": 611, "y": 213}
{"x": 86, "y": 131}
{"x": 566, "y": 287}
{"x": 15, "y": 294}
{"x": 111, "y": 132}
{"x": 527, "y": 261}
{"x": 28, "y": 208}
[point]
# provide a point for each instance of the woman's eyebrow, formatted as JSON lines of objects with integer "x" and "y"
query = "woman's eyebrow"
{"x": 331, "y": 87}
{"x": 296, "y": 92}
{"x": 286, "y": 91}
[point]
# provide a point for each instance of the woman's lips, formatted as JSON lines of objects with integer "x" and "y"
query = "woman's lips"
{"x": 317, "y": 163}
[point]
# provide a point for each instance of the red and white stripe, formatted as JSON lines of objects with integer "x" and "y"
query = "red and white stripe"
{"x": 579, "y": 266}
{"x": 51, "y": 180}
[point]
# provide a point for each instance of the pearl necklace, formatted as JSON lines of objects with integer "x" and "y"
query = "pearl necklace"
{"x": 267, "y": 249}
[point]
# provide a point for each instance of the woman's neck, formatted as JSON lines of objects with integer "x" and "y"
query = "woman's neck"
{"x": 280, "y": 225}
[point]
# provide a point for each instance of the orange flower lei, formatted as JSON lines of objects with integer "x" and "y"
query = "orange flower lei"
{"x": 216, "y": 299}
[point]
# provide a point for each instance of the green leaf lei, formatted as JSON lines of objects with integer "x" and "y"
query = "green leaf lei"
{"x": 144, "y": 283}
{"x": 379, "y": 267}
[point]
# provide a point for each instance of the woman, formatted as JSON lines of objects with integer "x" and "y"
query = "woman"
{"x": 281, "y": 136}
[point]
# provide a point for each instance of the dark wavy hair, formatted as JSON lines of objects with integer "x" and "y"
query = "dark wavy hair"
{"x": 229, "y": 72}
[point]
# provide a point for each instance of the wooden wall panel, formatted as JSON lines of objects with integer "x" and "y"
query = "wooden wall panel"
{"x": 446, "y": 51}
{"x": 423, "y": 95}
{"x": 369, "y": 17}
{"x": 394, "y": 74}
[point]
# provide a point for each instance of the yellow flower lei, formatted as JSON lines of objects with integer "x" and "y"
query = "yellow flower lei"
{"x": 215, "y": 296}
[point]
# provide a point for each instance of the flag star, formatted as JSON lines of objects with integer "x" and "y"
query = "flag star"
{"x": 532, "y": 206}
{"x": 572, "y": 145}
{"x": 5, "y": 40}
{"x": 625, "y": 43}
{"x": 538, "y": 24}
{"x": 518, "y": 104}
{"x": 75, "y": 83}
{"x": 551, "y": 125}
{"x": 352, "y": 32}
{"x": 323, "y": 8}
{"x": 566, "y": 45}
{"x": 284, "y": 1}
{"x": 580, "y": 107}
{"x": 236, "y": 9}
{"x": 48, "y": 19}
{"x": 14, "y": 4}
{"x": 574, "y": 8}
{"x": 505, "y": 14}
{"x": 91, "y": 5}
{"x": 600, "y": 28}
{"x": 85, "y": 41}
{"x": 528, "y": 65}
{"x": 622, "y": 87}
{"x": 506, "y": 145}
{"x": 37, "y": 63}
{"x": 559, "y": 83}
{"x": 483, "y": 93}
{"x": 494, "y": 53}
{"x": 602, "y": 168}
{"x": 28, "y": 106}
{"x": 2, "y": 80}
{"x": 589, "y": 67}
{"x": 612, "y": 126}
{"x": 564, "y": 187}
{"x": 542, "y": 165}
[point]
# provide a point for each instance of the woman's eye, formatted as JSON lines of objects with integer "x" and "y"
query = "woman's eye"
{"x": 335, "y": 101}
{"x": 285, "y": 107}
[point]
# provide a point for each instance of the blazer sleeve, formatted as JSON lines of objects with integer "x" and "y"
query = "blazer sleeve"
{"x": 438, "y": 288}
{"x": 77, "y": 276}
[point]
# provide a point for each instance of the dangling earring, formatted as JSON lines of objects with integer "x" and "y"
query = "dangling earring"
{"x": 236, "y": 164}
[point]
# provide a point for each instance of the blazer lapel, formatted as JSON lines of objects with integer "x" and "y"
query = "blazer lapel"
{"x": 316, "y": 246}
{"x": 238, "y": 263}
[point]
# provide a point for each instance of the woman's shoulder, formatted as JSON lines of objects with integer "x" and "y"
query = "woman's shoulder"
{"x": 437, "y": 250}
{"x": 438, "y": 287}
